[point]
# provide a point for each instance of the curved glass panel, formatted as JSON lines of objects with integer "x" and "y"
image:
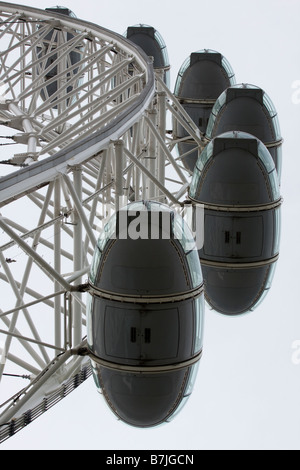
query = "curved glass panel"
{"x": 183, "y": 234}
{"x": 95, "y": 264}
{"x": 271, "y": 275}
{"x": 266, "y": 159}
{"x": 267, "y": 103}
{"x": 108, "y": 233}
{"x": 263, "y": 155}
{"x": 89, "y": 316}
{"x": 199, "y": 332}
{"x": 204, "y": 157}
{"x": 192, "y": 378}
{"x": 267, "y": 287}
{"x": 178, "y": 410}
{"x": 186, "y": 64}
{"x": 273, "y": 114}
{"x": 163, "y": 47}
{"x": 229, "y": 70}
{"x": 195, "y": 270}
{"x": 181, "y": 72}
{"x": 279, "y": 161}
{"x": 277, "y": 230}
{"x": 188, "y": 391}
{"x": 194, "y": 182}
{"x": 219, "y": 104}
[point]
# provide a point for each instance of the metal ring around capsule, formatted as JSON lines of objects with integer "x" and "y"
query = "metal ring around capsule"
{"x": 276, "y": 143}
{"x": 257, "y": 264}
{"x": 146, "y": 369}
{"x": 236, "y": 208}
{"x": 273, "y": 144}
{"x": 192, "y": 294}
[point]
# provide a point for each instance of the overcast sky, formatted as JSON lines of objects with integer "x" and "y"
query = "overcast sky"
{"x": 247, "y": 394}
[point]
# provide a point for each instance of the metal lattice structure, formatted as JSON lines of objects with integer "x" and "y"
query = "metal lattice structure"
{"x": 91, "y": 137}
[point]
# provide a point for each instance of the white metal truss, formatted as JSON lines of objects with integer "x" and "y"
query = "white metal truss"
{"x": 102, "y": 139}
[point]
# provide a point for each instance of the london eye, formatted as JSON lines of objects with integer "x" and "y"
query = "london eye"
{"x": 91, "y": 131}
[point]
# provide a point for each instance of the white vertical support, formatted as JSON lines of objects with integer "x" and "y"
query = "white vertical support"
{"x": 77, "y": 311}
{"x": 119, "y": 165}
{"x": 161, "y": 142}
{"x": 22, "y": 54}
{"x": 162, "y": 130}
{"x": 78, "y": 209}
{"x": 107, "y": 194}
{"x": 136, "y": 150}
{"x": 145, "y": 135}
{"x": 61, "y": 82}
{"x": 28, "y": 128}
{"x": 152, "y": 156}
{"x": 148, "y": 175}
{"x": 57, "y": 263}
{"x": 95, "y": 200}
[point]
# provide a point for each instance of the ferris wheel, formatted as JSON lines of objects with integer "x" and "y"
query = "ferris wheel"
{"x": 85, "y": 130}
{"x": 104, "y": 177}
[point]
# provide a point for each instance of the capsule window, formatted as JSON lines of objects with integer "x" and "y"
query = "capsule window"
{"x": 95, "y": 265}
{"x": 238, "y": 238}
{"x": 227, "y": 236}
{"x": 147, "y": 335}
{"x": 133, "y": 335}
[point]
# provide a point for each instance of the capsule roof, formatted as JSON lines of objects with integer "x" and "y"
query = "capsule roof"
{"x": 204, "y": 75}
{"x": 153, "y": 261}
{"x": 235, "y": 168}
{"x": 152, "y": 43}
{"x": 247, "y": 108}
{"x": 62, "y": 11}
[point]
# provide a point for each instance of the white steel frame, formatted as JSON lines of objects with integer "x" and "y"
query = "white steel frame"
{"x": 105, "y": 143}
